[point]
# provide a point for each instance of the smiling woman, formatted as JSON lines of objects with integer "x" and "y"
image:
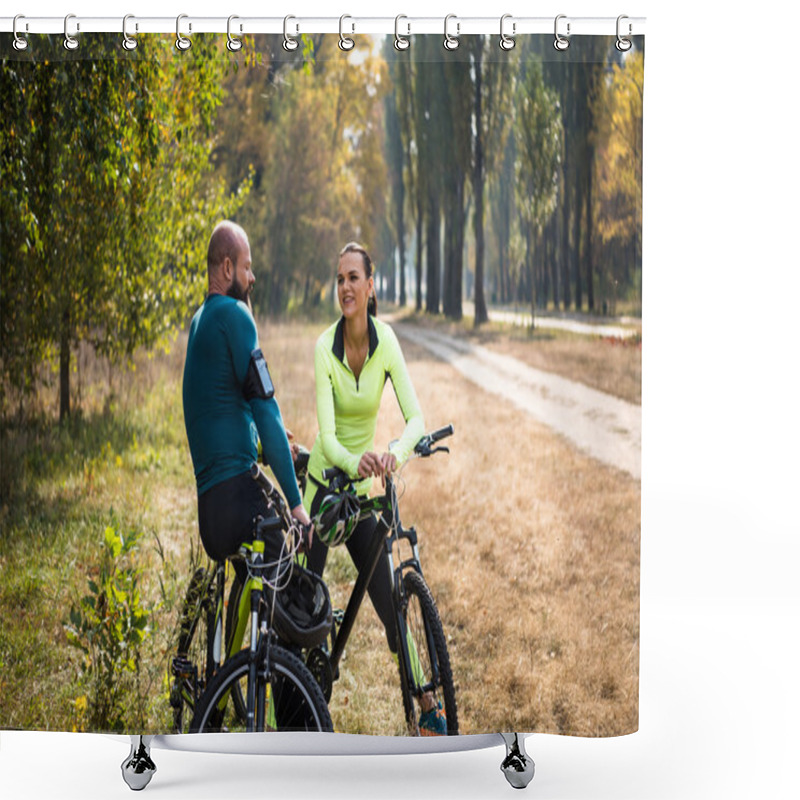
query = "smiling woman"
{"x": 353, "y": 359}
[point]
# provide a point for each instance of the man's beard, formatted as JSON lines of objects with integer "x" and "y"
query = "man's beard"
{"x": 238, "y": 293}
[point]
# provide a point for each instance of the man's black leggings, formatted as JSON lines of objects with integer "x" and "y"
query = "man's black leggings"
{"x": 359, "y": 545}
{"x": 227, "y": 514}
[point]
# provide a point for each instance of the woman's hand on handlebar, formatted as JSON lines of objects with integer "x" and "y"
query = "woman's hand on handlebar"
{"x": 389, "y": 464}
{"x": 378, "y": 466}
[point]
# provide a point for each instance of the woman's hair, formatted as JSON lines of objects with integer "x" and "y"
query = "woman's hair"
{"x": 355, "y": 247}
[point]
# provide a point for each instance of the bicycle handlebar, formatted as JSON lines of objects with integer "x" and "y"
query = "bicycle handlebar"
{"x": 423, "y": 446}
{"x": 338, "y": 478}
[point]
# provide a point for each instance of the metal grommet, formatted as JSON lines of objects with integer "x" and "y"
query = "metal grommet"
{"x": 401, "y": 42}
{"x": 507, "y": 42}
{"x": 181, "y": 42}
{"x": 622, "y": 44}
{"x": 20, "y": 42}
{"x": 345, "y": 42}
{"x": 561, "y": 43}
{"x": 289, "y": 42}
{"x": 234, "y": 43}
{"x": 70, "y": 42}
{"x": 451, "y": 42}
{"x": 128, "y": 42}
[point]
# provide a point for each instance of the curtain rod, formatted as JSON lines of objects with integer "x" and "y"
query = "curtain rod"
{"x": 347, "y": 25}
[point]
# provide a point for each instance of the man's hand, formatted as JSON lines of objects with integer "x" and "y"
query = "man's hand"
{"x": 293, "y": 446}
{"x": 301, "y": 515}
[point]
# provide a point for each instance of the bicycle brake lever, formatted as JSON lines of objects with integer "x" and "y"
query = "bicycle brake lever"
{"x": 441, "y": 448}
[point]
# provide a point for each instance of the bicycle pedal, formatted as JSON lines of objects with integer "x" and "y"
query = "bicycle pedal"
{"x": 182, "y": 667}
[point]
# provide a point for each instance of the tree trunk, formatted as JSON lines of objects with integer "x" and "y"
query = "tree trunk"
{"x": 530, "y": 275}
{"x": 433, "y": 259}
{"x": 478, "y": 184}
{"x": 552, "y": 265}
{"x": 402, "y": 244}
{"x": 576, "y": 239}
{"x": 63, "y": 372}
{"x": 589, "y": 252}
{"x": 566, "y": 281}
{"x": 419, "y": 260}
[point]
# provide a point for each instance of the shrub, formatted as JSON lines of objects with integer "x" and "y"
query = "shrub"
{"x": 109, "y": 626}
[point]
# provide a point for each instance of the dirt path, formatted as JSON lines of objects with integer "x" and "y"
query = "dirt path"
{"x": 603, "y": 426}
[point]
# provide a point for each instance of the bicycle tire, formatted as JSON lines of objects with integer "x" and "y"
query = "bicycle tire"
{"x": 297, "y": 701}
{"x": 196, "y": 620}
{"x": 421, "y": 619}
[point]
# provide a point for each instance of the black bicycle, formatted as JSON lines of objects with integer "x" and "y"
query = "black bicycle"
{"x": 426, "y": 676}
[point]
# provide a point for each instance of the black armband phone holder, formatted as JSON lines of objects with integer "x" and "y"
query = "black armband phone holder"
{"x": 258, "y": 382}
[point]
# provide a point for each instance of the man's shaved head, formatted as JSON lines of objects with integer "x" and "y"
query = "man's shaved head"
{"x": 225, "y": 242}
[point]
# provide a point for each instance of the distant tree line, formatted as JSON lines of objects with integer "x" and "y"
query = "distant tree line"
{"x": 542, "y": 151}
{"x": 501, "y": 177}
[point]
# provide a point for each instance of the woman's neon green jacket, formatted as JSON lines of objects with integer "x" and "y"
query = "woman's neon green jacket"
{"x": 347, "y": 409}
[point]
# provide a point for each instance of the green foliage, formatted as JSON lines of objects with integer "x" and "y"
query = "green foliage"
{"x": 108, "y": 199}
{"x": 538, "y": 141}
{"x": 109, "y": 626}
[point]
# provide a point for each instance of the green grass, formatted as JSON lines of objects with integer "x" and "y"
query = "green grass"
{"x": 61, "y": 486}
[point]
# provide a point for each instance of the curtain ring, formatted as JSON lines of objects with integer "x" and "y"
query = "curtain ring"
{"x": 289, "y": 42}
{"x": 128, "y": 42}
{"x": 401, "y": 42}
{"x": 451, "y": 42}
{"x": 561, "y": 43}
{"x": 507, "y": 42}
{"x": 70, "y": 42}
{"x": 345, "y": 42}
{"x": 234, "y": 43}
{"x": 181, "y": 42}
{"x": 20, "y": 42}
{"x": 622, "y": 44}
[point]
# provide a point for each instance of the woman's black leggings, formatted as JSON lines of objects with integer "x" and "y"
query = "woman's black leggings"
{"x": 359, "y": 545}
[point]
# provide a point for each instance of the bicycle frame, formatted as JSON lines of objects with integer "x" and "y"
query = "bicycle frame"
{"x": 388, "y": 532}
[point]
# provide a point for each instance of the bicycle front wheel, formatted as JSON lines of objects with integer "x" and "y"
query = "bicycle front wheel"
{"x": 287, "y": 696}
{"x": 428, "y": 676}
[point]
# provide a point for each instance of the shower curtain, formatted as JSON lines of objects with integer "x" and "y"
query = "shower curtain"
{"x": 499, "y": 193}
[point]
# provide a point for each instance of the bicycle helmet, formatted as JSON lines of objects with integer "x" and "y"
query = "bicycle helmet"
{"x": 337, "y": 517}
{"x": 303, "y": 614}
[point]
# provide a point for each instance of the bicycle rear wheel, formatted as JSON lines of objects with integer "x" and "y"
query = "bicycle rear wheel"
{"x": 430, "y": 672}
{"x": 194, "y": 663}
{"x": 231, "y": 620}
{"x": 293, "y": 699}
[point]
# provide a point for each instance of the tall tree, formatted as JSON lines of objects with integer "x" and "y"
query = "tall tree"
{"x": 429, "y": 91}
{"x": 455, "y": 157}
{"x": 395, "y": 160}
{"x": 493, "y": 88}
{"x": 538, "y": 134}
{"x": 110, "y": 157}
{"x": 618, "y": 200}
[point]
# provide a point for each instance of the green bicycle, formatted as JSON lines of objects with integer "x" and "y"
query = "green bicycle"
{"x": 264, "y": 686}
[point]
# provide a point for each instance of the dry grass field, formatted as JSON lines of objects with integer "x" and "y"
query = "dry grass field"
{"x": 531, "y": 548}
